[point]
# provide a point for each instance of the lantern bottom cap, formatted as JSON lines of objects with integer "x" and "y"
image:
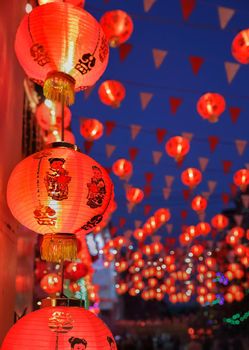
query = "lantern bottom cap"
{"x": 59, "y": 247}
{"x": 59, "y": 87}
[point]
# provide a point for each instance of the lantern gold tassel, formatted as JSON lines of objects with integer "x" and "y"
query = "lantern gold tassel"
{"x": 59, "y": 247}
{"x": 59, "y": 86}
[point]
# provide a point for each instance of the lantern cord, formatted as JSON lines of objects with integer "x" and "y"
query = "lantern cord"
{"x": 62, "y": 117}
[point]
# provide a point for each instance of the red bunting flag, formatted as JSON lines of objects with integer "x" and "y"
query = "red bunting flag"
{"x": 156, "y": 155}
{"x": 109, "y": 150}
{"x": 148, "y": 177}
{"x": 135, "y": 130}
{"x": 169, "y": 179}
{"x": 166, "y": 193}
{"x": 207, "y": 194}
{"x": 225, "y": 198}
{"x": 231, "y": 69}
{"x": 130, "y": 207}
{"x": 88, "y": 146}
{"x": 213, "y": 142}
{"x": 133, "y": 152}
{"x": 186, "y": 194}
{"x": 148, "y": 4}
{"x": 201, "y": 216}
{"x": 196, "y": 63}
{"x": 145, "y": 98}
{"x": 113, "y": 230}
{"x": 233, "y": 189}
{"x": 88, "y": 92}
{"x": 240, "y": 146}
{"x": 188, "y": 7}
{"x": 184, "y": 214}
{"x": 124, "y": 50}
{"x": 175, "y": 103}
{"x": 211, "y": 185}
{"x": 147, "y": 209}
{"x": 245, "y": 200}
{"x": 225, "y": 15}
{"x": 137, "y": 223}
{"x": 238, "y": 219}
{"x": 203, "y": 163}
{"x": 159, "y": 56}
{"x": 109, "y": 126}
{"x": 160, "y": 134}
{"x": 227, "y": 164}
{"x": 187, "y": 135}
{"x": 234, "y": 113}
{"x": 169, "y": 228}
{"x": 122, "y": 222}
{"x": 147, "y": 190}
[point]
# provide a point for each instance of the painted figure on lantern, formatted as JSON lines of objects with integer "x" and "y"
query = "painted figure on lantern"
{"x": 78, "y": 343}
{"x": 96, "y": 189}
{"x": 57, "y": 179}
{"x": 45, "y": 215}
{"x": 111, "y": 343}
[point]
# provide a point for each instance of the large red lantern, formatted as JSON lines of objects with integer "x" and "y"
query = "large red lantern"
{"x": 63, "y": 48}
{"x": 134, "y": 195}
{"x": 122, "y": 168}
{"x": 210, "y": 106}
{"x": 241, "y": 178}
{"x": 91, "y": 129}
{"x": 177, "y": 147}
{"x": 240, "y": 47}
{"x": 111, "y": 93}
{"x": 49, "y": 114}
{"x": 219, "y": 221}
{"x": 199, "y": 204}
{"x": 117, "y": 26}
{"x": 58, "y": 192}
{"x": 51, "y": 283}
{"x": 191, "y": 177}
{"x": 59, "y": 327}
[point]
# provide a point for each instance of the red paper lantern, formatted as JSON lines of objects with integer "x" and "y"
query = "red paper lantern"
{"x": 122, "y": 168}
{"x": 240, "y": 47}
{"x": 48, "y": 115}
{"x": 55, "y": 136}
{"x": 157, "y": 247}
{"x": 191, "y": 177}
{"x": 139, "y": 234}
{"x": 210, "y": 262}
{"x": 58, "y": 192}
{"x": 199, "y": 204}
{"x": 62, "y": 47}
{"x": 76, "y": 270}
{"x": 121, "y": 288}
{"x": 51, "y": 283}
{"x": 185, "y": 238}
{"x": 117, "y": 26}
{"x": 210, "y": 106}
{"x": 219, "y": 221}
{"x": 91, "y": 129}
{"x": 203, "y": 228}
{"x": 191, "y": 230}
{"x": 238, "y": 232}
{"x": 111, "y": 93}
{"x": 162, "y": 215}
{"x": 73, "y": 2}
{"x": 229, "y": 297}
{"x": 241, "y": 178}
{"x": 197, "y": 249}
{"x": 177, "y": 147}
{"x": 134, "y": 195}
{"x": 59, "y": 327}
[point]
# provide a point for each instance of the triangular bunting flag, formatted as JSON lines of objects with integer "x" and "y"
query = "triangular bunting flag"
{"x": 225, "y": 198}
{"x": 156, "y": 155}
{"x": 234, "y": 113}
{"x": 245, "y": 200}
{"x": 188, "y": 7}
{"x": 159, "y": 56}
{"x": 186, "y": 194}
{"x": 238, "y": 219}
{"x": 233, "y": 189}
{"x": 206, "y": 194}
{"x": 88, "y": 92}
{"x": 88, "y": 146}
{"x": 113, "y": 230}
{"x": 133, "y": 152}
{"x": 187, "y": 135}
{"x": 240, "y": 146}
{"x": 175, "y": 103}
{"x": 109, "y": 126}
{"x": 202, "y": 216}
{"x": 127, "y": 234}
{"x": 124, "y": 50}
{"x": 169, "y": 179}
{"x": 109, "y": 149}
{"x": 130, "y": 207}
{"x": 196, "y": 63}
{"x": 122, "y": 222}
{"x": 211, "y": 185}
{"x": 213, "y": 142}
{"x": 227, "y": 164}
{"x": 147, "y": 209}
{"x": 145, "y": 98}
{"x": 184, "y": 214}
{"x": 156, "y": 238}
{"x": 147, "y": 190}
{"x": 137, "y": 223}
{"x": 225, "y": 15}
{"x": 160, "y": 134}
{"x": 127, "y": 186}
{"x": 203, "y": 163}
{"x": 148, "y": 177}
{"x": 169, "y": 228}
{"x": 166, "y": 192}
{"x": 148, "y": 5}
{"x": 231, "y": 69}
{"x": 247, "y": 165}
{"x": 135, "y": 129}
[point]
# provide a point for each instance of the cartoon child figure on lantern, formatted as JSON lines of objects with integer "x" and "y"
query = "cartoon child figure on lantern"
{"x": 57, "y": 179}
{"x": 96, "y": 189}
{"x": 78, "y": 343}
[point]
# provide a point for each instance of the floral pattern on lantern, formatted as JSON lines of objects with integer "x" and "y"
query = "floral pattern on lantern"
{"x": 112, "y": 93}
{"x": 210, "y": 106}
{"x": 91, "y": 129}
{"x": 177, "y": 147}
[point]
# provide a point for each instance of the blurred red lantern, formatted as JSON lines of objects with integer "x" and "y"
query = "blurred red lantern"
{"x": 51, "y": 283}
{"x": 177, "y": 147}
{"x": 234, "y": 267}
{"x": 147, "y": 250}
{"x": 185, "y": 238}
{"x": 197, "y": 249}
{"x": 139, "y": 285}
{"x": 162, "y": 215}
{"x": 133, "y": 291}
{"x": 229, "y": 275}
{"x": 210, "y": 284}
{"x": 76, "y": 270}
{"x": 117, "y": 26}
{"x": 210, "y": 106}
{"x": 203, "y": 228}
{"x": 49, "y": 114}
{"x": 199, "y": 204}
{"x": 91, "y": 129}
{"x": 238, "y": 296}
{"x": 229, "y": 297}
{"x": 139, "y": 234}
{"x": 237, "y": 232}
{"x": 59, "y": 327}
{"x": 191, "y": 177}
{"x": 139, "y": 263}
{"x": 191, "y": 230}
{"x": 136, "y": 255}
{"x": 46, "y": 188}
{"x": 219, "y": 222}
{"x": 159, "y": 295}
{"x": 134, "y": 195}
{"x": 152, "y": 282}
{"x": 152, "y": 223}
{"x": 122, "y": 168}
{"x": 111, "y": 93}
{"x": 201, "y": 290}
{"x": 240, "y": 47}
{"x": 121, "y": 266}
{"x": 23, "y": 283}
{"x": 210, "y": 274}
{"x": 201, "y": 299}
{"x": 231, "y": 239}
{"x": 210, "y": 262}
{"x": 211, "y": 297}
{"x": 169, "y": 259}
{"x": 241, "y": 178}
{"x": 61, "y": 69}
{"x": 173, "y": 298}
{"x": 55, "y": 136}
{"x": 239, "y": 274}
{"x": 157, "y": 247}
{"x": 121, "y": 288}
{"x": 145, "y": 295}
{"x": 240, "y": 250}
{"x": 201, "y": 268}
{"x": 73, "y": 2}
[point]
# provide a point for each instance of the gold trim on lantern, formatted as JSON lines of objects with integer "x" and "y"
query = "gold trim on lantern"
{"x": 59, "y": 247}
{"x": 59, "y": 86}
{"x": 60, "y": 144}
{"x": 61, "y": 302}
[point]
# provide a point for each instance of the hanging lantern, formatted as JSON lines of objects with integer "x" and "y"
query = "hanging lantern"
{"x": 210, "y": 262}
{"x": 76, "y": 270}
{"x": 219, "y": 221}
{"x": 58, "y": 192}
{"x": 191, "y": 177}
{"x": 121, "y": 288}
{"x": 91, "y": 129}
{"x": 122, "y": 168}
{"x": 55, "y": 136}
{"x": 210, "y": 106}
{"x": 134, "y": 195}
{"x": 191, "y": 230}
{"x": 63, "y": 48}
{"x": 241, "y": 179}
{"x": 80, "y": 3}
{"x": 51, "y": 283}
{"x": 139, "y": 234}
{"x": 59, "y": 327}
{"x": 197, "y": 250}
{"x": 177, "y": 147}
{"x": 162, "y": 216}
{"x": 111, "y": 93}
{"x": 185, "y": 238}
{"x": 203, "y": 228}
{"x": 240, "y": 47}
{"x": 199, "y": 204}
{"x": 238, "y": 232}
{"x": 49, "y": 114}
{"x": 117, "y": 26}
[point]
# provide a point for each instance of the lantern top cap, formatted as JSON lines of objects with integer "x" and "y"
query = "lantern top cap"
{"x": 63, "y": 144}
{"x": 68, "y": 302}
